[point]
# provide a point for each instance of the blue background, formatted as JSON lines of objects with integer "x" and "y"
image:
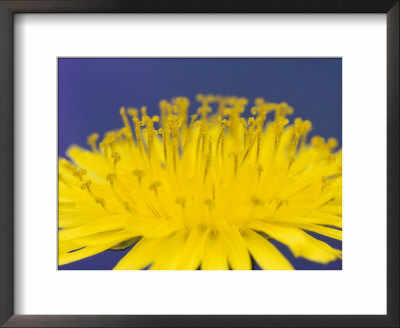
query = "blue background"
{"x": 91, "y": 91}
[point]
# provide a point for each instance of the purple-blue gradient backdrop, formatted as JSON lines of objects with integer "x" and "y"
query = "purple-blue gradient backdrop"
{"x": 91, "y": 91}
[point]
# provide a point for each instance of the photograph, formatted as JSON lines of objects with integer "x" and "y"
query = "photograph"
{"x": 199, "y": 163}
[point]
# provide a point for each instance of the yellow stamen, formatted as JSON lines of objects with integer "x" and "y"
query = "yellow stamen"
{"x": 109, "y": 139}
{"x": 258, "y": 143}
{"x": 132, "y": 112}
{"x": 182, "y": 105}
{"x": 154, "y": 187}
{"x": 221, "y": 137}
{"x": 208, "y": 160}
{"x": 250, "y": 131}
{"x": 175, "y": 124}
{"x": 298, "y": 129}
{"x": 79, "y": 173}
{"x": 151, "y": 132}
{"x": 139, "y": 174}
{"x": 117, "y": 157}
{"x": 103, "y": 145}
{"x": 282, "y": 110}
{"x": 100, "y": 201}
{"x": 307, "y": 127}
{"x": 126, "y": 123}
{"x": 204, "y": 109}
{"x": 86, "y": 185}
{"x": 248, "y": 151}
{"x": 279, "y": 125}
{"x": 111, "y": 177}
{"x": 144, "y": 112}
{"x": 138, "y": 124}
{"x": 92, "y": 139}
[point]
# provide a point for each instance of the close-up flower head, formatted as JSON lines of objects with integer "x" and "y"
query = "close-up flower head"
{"x": 215, "y": 185}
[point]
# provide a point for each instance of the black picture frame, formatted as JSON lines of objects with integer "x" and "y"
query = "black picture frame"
{"x": 10, "y": 7}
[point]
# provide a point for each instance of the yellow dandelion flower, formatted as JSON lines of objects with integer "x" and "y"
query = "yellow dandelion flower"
{"x": 208, "y": 191}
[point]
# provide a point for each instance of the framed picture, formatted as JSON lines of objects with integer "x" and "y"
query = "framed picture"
{"x": 204, "y": 132}
{"x": 205, "y": 164}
